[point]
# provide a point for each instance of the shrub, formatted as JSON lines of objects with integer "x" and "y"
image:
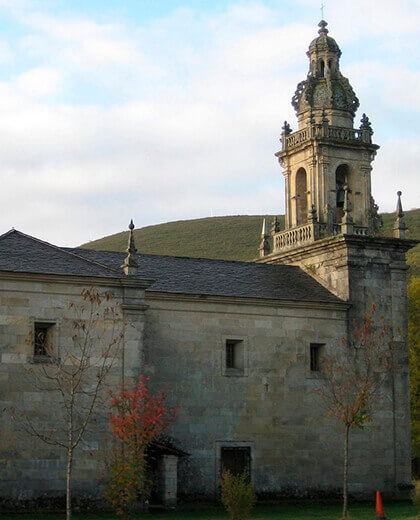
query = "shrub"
{"x": 238, "y": 496}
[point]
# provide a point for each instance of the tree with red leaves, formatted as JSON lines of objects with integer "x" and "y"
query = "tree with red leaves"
{"x": 137, "y": 418}
{"x": 353, "y": 377}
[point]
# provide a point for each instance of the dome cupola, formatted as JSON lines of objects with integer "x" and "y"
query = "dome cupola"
{"x": 323, "y": 42}
{"x": 325, "y": 88}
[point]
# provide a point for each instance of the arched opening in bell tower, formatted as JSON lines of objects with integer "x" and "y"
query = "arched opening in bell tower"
{"x": 301, "y": 197}
{"x": 342, "y": 174}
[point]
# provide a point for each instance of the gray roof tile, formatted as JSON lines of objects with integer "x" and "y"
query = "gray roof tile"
{"x": 25, "y": 254}
{"x": 220, "y": 277}
{"x": 179, "y": 275}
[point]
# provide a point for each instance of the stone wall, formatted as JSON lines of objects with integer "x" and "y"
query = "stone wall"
{"x": 273, "y": 408}
{"x": 30, "y": 469}
{"x": 268, "y": 403}
{"x": 366, "y": 271}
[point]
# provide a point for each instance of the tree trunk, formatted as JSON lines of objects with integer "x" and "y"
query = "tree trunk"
{"x": 69, "y": 455}
{"x": 346, "y": 472}
{"x": 68, "y": 478}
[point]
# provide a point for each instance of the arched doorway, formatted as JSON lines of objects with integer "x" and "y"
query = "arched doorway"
{"x": 301, "y": 197}
{"x": 341, "y": 179}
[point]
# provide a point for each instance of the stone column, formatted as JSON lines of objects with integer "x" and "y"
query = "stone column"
{"x": 312, "y": 184}
{"x": 366, "y": 173}
{"x": 324, "y": 191}
{"x": 288, "y": 221}
{"x": 134, "y": 308}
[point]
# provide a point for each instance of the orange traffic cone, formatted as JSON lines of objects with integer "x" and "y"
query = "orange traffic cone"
{"x": 380, "y": 513}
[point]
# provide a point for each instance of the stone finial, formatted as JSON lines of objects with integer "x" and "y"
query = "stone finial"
{"x": 399, "y": 227}
{"x": 312, "y": 217}
{"x": 323, "y": 27}
{"x": 375, "y": 221}
{"x": 264, "y": 248}
{"x": 275, "y": 226}
{"x": 130, "y": 265}
{"x": 325, "y": 119}
{"x": 366, "y": 129}
{"x": 347, "y": 220}
{"x": 365, "y": 123}
{"x": 311, "y": 118}
{"x": 286, "y": 129}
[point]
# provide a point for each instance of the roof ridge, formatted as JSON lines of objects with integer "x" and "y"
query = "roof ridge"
{"x": 184, "y": 257}
{"x": 63, "y": 250}
{"x": 13, "y": 230}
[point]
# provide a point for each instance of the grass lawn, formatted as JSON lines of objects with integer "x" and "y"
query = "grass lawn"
{"x": 302, "y": 510}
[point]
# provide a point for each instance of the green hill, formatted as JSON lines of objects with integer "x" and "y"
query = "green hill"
{"x": 225, "y": 238}
{"x": 412, "y": 220}
{"x": 228, "y": 238}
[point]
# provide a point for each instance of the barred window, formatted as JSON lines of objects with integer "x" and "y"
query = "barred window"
{"x": 42, "y": 339}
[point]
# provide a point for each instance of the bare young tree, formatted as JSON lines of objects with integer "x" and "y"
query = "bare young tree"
{"x": 73, "y": 374}
{"x": 352, "y": 379}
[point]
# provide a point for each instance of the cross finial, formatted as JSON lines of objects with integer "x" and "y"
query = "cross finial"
{"x": 322, "y": 11}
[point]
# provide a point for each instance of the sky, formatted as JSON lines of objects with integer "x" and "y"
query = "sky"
{"x": 172, "y": 110}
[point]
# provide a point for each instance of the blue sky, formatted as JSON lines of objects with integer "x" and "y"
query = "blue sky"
{"x": 171, "y": 110}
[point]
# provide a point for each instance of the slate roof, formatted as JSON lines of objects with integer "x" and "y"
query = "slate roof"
{"x": 185, "y": 275}
{"x": 25, "y": 254}
{"x": 179, "y": 275}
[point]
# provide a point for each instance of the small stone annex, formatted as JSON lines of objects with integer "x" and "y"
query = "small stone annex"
{"x": 237, "y": 345}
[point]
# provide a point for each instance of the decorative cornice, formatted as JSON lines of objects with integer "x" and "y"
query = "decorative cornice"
{"x": 237, "y": 300}
{"x": 58, "y": 278}
{"x": 131, "y": 307}
{"x": 340, "y": 241}
{"x": 137, "y": 283}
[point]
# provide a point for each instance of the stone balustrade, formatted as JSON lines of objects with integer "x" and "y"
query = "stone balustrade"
{"x": 360, "y": 230}
{"x": 296, "y": 237}
{"x": 309, "y": 233}
{"x": 343, "y": 134}
{"x": 325, "y": 131}
{"x": 298, "y": 137}
{"x": 355, "y": 230}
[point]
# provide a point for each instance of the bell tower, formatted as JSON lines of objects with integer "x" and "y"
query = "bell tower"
{"x": 326, "y": 162}
{"x": 331, "y": 233}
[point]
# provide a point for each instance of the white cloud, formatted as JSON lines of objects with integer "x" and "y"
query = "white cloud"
{"x": 266, "y": 50}
{"x": 397, "y": 171}
{"x": 179, "y": 117}
{"x": 361, "y": 19}
{"x": 39, "y": 82}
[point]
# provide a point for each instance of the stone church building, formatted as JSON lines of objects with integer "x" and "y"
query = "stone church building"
{"x": 237, "y": 345}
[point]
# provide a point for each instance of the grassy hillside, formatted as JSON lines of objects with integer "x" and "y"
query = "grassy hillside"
{"x": 229, "y": 238}
{"x": 412, "y": 220}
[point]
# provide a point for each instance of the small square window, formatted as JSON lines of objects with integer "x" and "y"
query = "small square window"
{"x": 42, "y": 340}
{"x": 230, "y": 353}
{"x": 234, "y": 356}
{"x": 315, "y": 356}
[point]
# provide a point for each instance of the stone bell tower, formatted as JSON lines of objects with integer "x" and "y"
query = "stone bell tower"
{"x": 327, "y": 162}
{"x": 331, "y": 232}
